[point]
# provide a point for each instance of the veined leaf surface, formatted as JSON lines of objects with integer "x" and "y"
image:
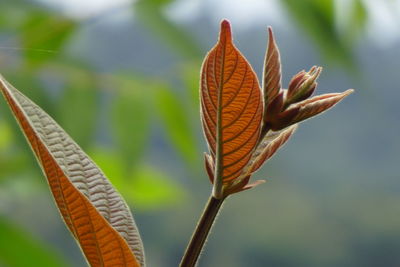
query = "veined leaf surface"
{"x": 272, "y": 70}
{"x": 318, "y": 104}
{"x": 231, "y": 108}
{"x": 270, "y": 143}
{"x": 94, "y": 212}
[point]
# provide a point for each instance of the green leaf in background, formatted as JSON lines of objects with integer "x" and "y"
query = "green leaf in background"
{"x": 111, "y": 164}
{"x": 12, "y": 165}
{"x": 359, "y": 16}
{"x": 177, "y": 123}
{"x": 151, "y": 15}
{"x": 9, "y": 16}
{"x": 190, "y": 75}
{"x": 43, "y": 35}
{"x": 152, "y": 188}
{"x": 13, "y": 13}
{"x": 317, "y": 18}
{"x": 19, "y": 249}
{"x": 130, "y": 119}
{"x": 146, "y": 187}
{"x": 5, "y": 135}
{"x": 78, "y": 107}
{"x": 351, "y": 19}
{"x": 11, "y": 161}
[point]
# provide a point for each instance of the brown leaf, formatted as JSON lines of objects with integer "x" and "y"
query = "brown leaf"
{"x": 231, "y": 108}
{"x": 209, "y": 167}
{"x": 269, "y": 145}
{"x": 271, "y": 142}
{"x": 92, "y": 209}
{"x": 272, "y": 70}
{"x": 243, "y": 185}
{"x": 318, "y": 104}
{"x": 275, "y": 107}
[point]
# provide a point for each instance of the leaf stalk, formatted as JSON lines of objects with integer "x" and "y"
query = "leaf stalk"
{"x": 201, "y": 232}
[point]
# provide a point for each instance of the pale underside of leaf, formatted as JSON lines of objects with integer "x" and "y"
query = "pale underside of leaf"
{"x": 231, "y": 107}
{"x": 318, "y": 104}
{"x": 269, "y": 145}
{"x": 93, "y": 210}
{"x": 272, "y": 70}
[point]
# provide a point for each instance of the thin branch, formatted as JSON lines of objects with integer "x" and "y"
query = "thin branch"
{"x": 201, "y": 232}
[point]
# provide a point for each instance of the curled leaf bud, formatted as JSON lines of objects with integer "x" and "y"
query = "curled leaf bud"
{"x": 302, "y": 85}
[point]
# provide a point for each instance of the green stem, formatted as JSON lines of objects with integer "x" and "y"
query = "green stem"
{"x": 202, "y": 230}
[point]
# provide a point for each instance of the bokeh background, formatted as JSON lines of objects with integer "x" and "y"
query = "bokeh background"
{"x": 121, "y": 77}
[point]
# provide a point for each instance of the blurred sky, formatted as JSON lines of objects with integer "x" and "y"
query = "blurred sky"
{"x": 382, "y": 26}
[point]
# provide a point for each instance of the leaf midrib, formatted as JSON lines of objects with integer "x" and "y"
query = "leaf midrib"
{"x": 217, "y": 190}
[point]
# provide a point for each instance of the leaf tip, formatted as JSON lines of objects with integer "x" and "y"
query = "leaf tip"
{"x": 341, "y": 96}
{"x": 272, "y": 46}
{"x": 270, "y": 34}
{"x": 348, "y": 92}
{"x": 252, "y": 185}
{"x": 345, "y": 94}
{"x": 226, "y": 33}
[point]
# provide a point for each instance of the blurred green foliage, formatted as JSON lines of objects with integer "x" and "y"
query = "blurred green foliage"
{"x": 319, "y": 19}
{"x": 145, "y": 187}
{"x": 18, "y": 248}
{"x": 150, "y": 14}
{"x": 131, "y": 116}
{"x": 75, "y": 95}
{"x": 79, "y": 94}
{"x": 116, "y": 117}
{"x": 43, "y": 29}
{"x": 177, "y": 123}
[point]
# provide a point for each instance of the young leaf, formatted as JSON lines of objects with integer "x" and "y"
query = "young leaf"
{"x": 271, "y": 142}
{"x": 267, "y": 147}
{"x": 318, "y": 104}
{"x": 272, "y": 70}
{"x": 231, "y": 109}
{"x": 94, "y": 212}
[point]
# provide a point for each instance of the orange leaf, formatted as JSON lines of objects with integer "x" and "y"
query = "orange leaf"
{"x": 231, "y": 109}
{"x": 94, "y": 212}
